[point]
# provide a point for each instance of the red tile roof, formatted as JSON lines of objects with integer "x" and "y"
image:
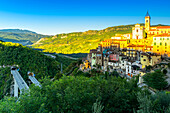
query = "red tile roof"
{"x": 153, "y": 30}
{"x": 140, "y": 46}
{"x": 149, "y": 46}
{"x": 163, "y": 27}
{"x": 163, "y": 35}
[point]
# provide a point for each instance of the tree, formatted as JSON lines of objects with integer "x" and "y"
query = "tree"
{"x": 165, "y": 71}
{"x": 157, "y": 103}
{"x": 78, "y": 95}
{"x": 156, "y": 80}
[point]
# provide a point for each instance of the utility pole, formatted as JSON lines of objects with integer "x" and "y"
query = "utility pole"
{"x": 61, "y": 68}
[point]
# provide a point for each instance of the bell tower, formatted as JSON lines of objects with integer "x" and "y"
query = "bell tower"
{"x": 147, "y": 22}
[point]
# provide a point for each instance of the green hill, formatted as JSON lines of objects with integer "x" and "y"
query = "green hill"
{"x": 79, "y": 42}
{"x": 28, "y": 60}
{"x": 24, "y": 37}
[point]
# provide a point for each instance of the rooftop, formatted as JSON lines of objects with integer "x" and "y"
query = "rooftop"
{"x": 147, "y": 14}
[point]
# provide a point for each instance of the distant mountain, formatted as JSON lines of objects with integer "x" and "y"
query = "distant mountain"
{"x": 24, "y": 37}
{"x": 17, "y": 31}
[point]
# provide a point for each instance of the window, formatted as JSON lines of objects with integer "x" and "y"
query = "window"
{"x": 165, "y": 31}
{"x": 144, "y": 59}
{"x": 157, "y": 46}
{"x": 155, "y": 38}
{"x": 157, "y": 49}
{"x": 160, "y": 43}
{"x": 137, "y": 30}
{"x": 167, "y": 38}
{"x": 165, "y": 44}
{"x": 161, "y": 31}
{"x": 142, "y": 56}
{"x": 155, "y": 43}
{"x": 147, "y": 21}
{"x": 160, "y": 38}
{"x": 136, "y": 37}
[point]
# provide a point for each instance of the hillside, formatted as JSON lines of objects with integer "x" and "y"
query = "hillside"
{"x": 28, "y": 60}
{"x": 79, "y": 42}
{"x": 24, "y": 37}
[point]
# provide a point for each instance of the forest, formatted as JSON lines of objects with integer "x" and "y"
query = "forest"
{"x": 27, "y": 59}
{"x": 73, "y": 91}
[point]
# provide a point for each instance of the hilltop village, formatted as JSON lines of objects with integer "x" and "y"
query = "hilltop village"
{"x": 130, "y": 54}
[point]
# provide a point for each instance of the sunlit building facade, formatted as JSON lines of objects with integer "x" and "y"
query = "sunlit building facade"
{"x": 154, "y": 39}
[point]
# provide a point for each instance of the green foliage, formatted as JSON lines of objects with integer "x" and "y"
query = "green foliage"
{"x": 165, "y": 71}
{"x": 115, "y": 73}
{"x": 148, "y": 68}
{"x": 158, "y": 103}
{"x": 80, "y": 42}
{"x": 79, "y": 94}
{"x": 97, "y": 107}
{"x": 156, "y": 80}
{"x": 5, "y": 81}
{"x": 9, "y": 105}
{"x": 169, "y": 65}
{"x": 65, "y": 61}
{"x": 28, "y": 60}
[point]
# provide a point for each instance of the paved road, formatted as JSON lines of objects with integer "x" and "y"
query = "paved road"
{"x": 68, "y": 57}
{"x": 20, "y": 81}
{"x": 53, "y": 56}
{"x": 34, "y": 81}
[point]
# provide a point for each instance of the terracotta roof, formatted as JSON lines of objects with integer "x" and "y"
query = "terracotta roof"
{"x": 115, "y": 43}
{"x": 149, "y": 46}
{"x": 132, "y": 45}
{"x": 140, "y": 46}
{"x": 163, "y": 27}
{"x": 163, "y": 35}
{"x": 153, "y": 30}
{"x": 121, "y": 39}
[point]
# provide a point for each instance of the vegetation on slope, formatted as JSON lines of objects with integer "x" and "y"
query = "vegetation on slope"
{"x": 79, "y": 42}
{"x": 156, "y": 80}
{"x": 81, "y": 94}
{"x": 28, "y": 60}
{"x": 24, "y": 37}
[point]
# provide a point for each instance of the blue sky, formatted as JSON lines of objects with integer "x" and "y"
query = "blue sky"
{"x": 62, "y": 16}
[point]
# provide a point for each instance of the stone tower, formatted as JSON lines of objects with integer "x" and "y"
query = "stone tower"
{"x": 147, "y": 22}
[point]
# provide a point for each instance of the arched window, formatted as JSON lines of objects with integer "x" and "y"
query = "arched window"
{"x": 136, "y": 37}
{"x": 137, "y": 30}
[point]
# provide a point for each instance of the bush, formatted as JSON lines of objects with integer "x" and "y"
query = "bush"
{"x": 156, "y": 80}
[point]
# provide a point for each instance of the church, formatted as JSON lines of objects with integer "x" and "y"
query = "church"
{"x": 147, "y": 38}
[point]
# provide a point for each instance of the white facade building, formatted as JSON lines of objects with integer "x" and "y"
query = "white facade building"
{"x": 137, "y": 32}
